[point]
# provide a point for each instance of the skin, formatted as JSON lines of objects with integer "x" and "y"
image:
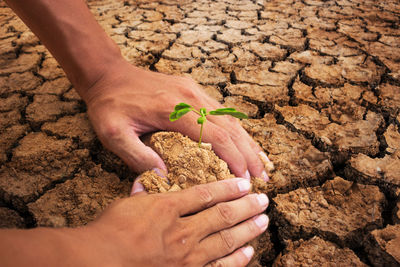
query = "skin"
{"x": 125, "y": 102}
{"x": 206, "y": 225}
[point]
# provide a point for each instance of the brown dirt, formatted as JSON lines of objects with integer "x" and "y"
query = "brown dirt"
{"x": 320, "y": 80}
{"x": 316, "y": 252}
{"x": 383, "y": 246}
{"x": 339, "y": 210}
{"x": 78, "y": 201}
{"x": 10, "y": 219}
{"x": 297, "y": 162}
{"x": 187, "y": 164}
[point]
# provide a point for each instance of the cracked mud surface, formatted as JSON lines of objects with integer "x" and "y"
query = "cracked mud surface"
{"x": 319, "y": 79}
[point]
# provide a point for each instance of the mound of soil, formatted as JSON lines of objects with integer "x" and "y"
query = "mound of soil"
{"x": 189, "y": 165}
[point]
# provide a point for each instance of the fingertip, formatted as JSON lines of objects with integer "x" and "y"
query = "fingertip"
{"x": 264, "y": 156}
{"x": 243, "y": 185}
{"x": 161, "y": 172}
{"x": 262, "y": 222}
{"x": 137, "y": 188}
{"x": 156, "y": 162}
{"x": 264, "y": 176}
{"x": 247, "y": 175}
{"x": 248, "y": 252}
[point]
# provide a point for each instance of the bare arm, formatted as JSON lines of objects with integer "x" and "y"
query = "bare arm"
{"x": 70, "y": 32}
{"x": 185, "y": 234}
{"x": 45, "y": 247}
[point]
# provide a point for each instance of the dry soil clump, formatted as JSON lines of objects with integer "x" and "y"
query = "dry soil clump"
{"x": 188, "y": 165}
{"x": 316, "y": 252}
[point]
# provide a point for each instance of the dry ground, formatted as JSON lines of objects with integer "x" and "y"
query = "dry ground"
{"x": 320, "y": 80}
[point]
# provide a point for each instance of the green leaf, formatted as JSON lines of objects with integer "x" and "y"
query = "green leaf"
{"x": 177, "y": 114}
{"x": 224, "y": 110}
{"x": 203, "y": 111}
{"x": 229, "y": 111}
{"x": 201, "y": 120}
{"x": 182, "y": 106}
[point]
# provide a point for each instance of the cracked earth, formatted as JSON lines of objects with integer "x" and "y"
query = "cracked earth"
{"x": 320, "y": 81}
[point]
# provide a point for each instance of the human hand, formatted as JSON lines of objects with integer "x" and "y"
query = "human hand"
{"x": 206, "y": 225}
{"x": 128, "y": 102}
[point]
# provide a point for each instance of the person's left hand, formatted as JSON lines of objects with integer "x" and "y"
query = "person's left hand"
{"x": 127, "y": 102}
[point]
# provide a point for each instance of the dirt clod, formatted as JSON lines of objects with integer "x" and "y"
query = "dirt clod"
{"x": 78, "y": 201}
{"x": 339, "y": 211}
{"x": 383, "y": 246}
{"x": 316, "y": 252}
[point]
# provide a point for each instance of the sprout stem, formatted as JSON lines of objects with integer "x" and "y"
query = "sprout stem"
{"x": 201, "y": 134}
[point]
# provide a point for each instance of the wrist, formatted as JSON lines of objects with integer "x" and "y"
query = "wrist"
{"x": 91, "y": 63}
{"x": 112, "y": 76}
{"x": 85, "y": 246}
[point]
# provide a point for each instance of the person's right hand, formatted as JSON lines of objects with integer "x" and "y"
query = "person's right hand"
{"x": 206, "y": 225}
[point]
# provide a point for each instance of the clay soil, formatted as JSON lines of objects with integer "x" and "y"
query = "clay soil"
{"x": 320, "y": 81}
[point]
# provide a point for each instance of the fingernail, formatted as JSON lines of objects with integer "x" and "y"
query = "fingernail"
{"x": 247, "y": 175}
{"x": 248, "y": 252}
{"x": 262, "y": 200}
{"x": 264, "y": 156}
{"x": 264, "y": 176}
{"x": 160, "y": 172}
{"x": 137, "y": 187}
{"x": 244, "y": 185}
{"x": 261, "y": 221}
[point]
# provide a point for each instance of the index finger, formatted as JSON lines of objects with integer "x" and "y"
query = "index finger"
{"x": 201, "y": 197}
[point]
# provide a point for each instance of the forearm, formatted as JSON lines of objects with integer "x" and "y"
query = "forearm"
{"x": 48, "y": 247}
{"x": 70, "y": 32}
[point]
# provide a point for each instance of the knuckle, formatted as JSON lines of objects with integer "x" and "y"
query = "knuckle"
{"x": 221, "y": 137}
{"x": 255, "y": 164}
{"x": 253, "y": 206}
{"x": 165, "y": 203}
{"x": 252, "y": 227}
{"x": 230, "y": 187}
{"x": 204, "y": 194}
{"x": 111, "y": 130}
{"x": 237, "y": 135}
{"x": 226, "y": 213}
{"x": 187, "y": 92}
{"x": 227, "y": 239}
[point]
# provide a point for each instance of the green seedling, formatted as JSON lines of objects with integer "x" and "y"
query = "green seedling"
{"x": 183, "y": 108}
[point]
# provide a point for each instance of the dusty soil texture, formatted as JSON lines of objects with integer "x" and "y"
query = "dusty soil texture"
{"x": 320, "y": 81}
{"x": 383, "y": 248}
{"x": 10, "y": 219}
{"x": 339, "y": 210}
{"x": 187, "y": 164}
{"x": 316, "y": 252}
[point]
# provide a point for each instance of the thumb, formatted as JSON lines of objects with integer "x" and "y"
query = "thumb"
{"x": 135, "y": 153}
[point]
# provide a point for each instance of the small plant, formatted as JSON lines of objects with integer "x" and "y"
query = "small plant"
{"x": 183, "y": 108}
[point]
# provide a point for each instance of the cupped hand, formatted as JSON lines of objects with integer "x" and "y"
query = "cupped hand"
{"x": 206, "y": 225}
{"x": 127, "y": 102}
